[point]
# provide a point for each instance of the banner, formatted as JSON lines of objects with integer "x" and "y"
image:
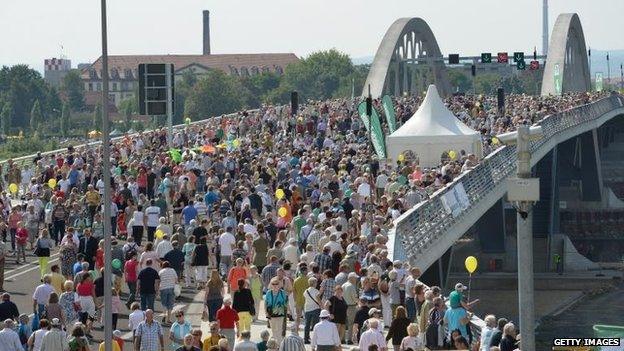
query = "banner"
{"x": 557, "y": 78}
{"x": 377, "y": 133}
{"x": 598, "y": 81}
{"x": 388, "y": 107}
{"x": 455, "y": 200}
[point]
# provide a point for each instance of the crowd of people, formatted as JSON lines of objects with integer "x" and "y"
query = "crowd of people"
{"x": 270, "y": 216}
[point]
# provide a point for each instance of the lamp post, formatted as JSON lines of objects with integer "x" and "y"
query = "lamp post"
{"x": 108, "y": 316}
{"x": 523, "y": 192}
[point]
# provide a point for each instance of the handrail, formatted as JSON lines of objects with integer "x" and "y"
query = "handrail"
{"x": 22, "y": 159}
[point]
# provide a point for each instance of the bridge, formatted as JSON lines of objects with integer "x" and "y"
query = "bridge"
{"x": 426, "y": 232}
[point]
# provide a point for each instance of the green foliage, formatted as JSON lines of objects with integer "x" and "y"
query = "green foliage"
{"x": 459, "y": 81}
{"x": 486, "y": 83}
{"x": 128, "y": 107}
{"x": 214, "y": 94}
{"x": 353, "y": 84}
{"x": 258, "y": 87}
{"x": 36, "y": 117}
{"x": 138, "y": 126}
{"x": 22, "y": 86}
{"x": 25, "y": 146}
{"x": 74, "y": 90}
{"x": 318, "y": 76}
{"x": 184, "y": 86}
{"x": 65, "y": 118}
{"x": 5, "y": 117}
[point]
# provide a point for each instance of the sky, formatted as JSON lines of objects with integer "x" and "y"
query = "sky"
{"x": 32, "y": 30}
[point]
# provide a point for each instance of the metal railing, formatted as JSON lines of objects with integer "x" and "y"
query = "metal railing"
{"x": 427, "y": 222}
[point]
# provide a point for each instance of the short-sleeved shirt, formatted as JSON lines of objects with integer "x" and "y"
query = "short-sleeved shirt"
{"x": 453, "y": 316}
{"x": 150, "y": 335}
{"x": 455, "y": 298}
{"x": 168, "y": 278}
{"x": 42, "y": 293}
{"x": 227, "y": 317}
{"x": 189, "y": 212}
{"x": 147, "y": 278}
{"x": 130, "y": 268}
{"x": 226, "y": 240}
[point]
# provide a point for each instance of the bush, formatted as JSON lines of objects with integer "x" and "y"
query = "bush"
{"x": 16, "y": 147}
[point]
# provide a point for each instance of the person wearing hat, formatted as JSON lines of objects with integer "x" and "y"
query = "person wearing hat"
{"x": 55, "y": 338}
{"x": 117, "y": 338}
{"x": 325, "y": 335}
{"x": 456, "y": 297}
{"x": 373, "y": 336}
{"x": 9, "y": 338}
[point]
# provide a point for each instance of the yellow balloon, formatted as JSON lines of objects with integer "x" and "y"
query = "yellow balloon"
{"x": 13, "y": 188}
{"x": 471, "y": 264}
{"x": 452, "y": 154}
{"x": 282, "y": 212}
{"x": 495, "y": 141}
{"x": 401, "y": 157}
{"x": 279, "y": 193}
{"x": 236, "y": 143}
{"x": 52, "y": 183}
{"x": 159, "y": 234}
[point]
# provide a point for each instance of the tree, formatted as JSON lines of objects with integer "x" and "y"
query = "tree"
{"x": 65, "y": 116}
{"x": 459, "y": 81}
{"x": 73, "y": 88}
{"x": 214, "y": 94}
{"x": 319, "y": 75}
{"x": 127, "y": 108}
{"x": 5, "y": 117}
{"x": 96, "y": 122}
{"x": 36, "y": 117}
{"x": 486, "y": 83}
{"x": 258, "y": 87}
{"x": 22, "y": 86}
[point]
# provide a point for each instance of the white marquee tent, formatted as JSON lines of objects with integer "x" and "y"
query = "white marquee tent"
{"x": 431, "y": 131}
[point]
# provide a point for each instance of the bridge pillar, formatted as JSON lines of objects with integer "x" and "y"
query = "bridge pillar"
{"x": 591, "y": 169}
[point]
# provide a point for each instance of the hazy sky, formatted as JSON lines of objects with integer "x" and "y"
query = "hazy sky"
{"x": 31, "y": 30}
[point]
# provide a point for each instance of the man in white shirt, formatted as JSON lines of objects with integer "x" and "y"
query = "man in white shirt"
{"x": 291, "y": 252}
{"x": 153, "y": 214}
{"x": 164, "y": 247}
{"x": 410, "y": 284}
{"x": 9, "y": 339}
{"x": 325, "y": 334}
{"x": 42, "y": 294}
{"x": 333, "y": 244}
{"x": 364, "y": 189}
{"x": 227, "y": 242}
{"x": 372, "y": 336}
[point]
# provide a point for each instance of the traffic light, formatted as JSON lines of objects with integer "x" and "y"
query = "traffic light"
{"x": 521, "y": 65}
{"x": 486, "y": 57}
{"x": 473, "y": 70}
{"x": 153, "y": 88}
{"x": 453, "y": 59}
{"x": 503, "y": 57}
{"x": 518, "y": 56}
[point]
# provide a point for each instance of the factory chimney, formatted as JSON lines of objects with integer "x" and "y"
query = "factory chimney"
{"x": 545, "y": 28}
{"x": 206, "y": 37}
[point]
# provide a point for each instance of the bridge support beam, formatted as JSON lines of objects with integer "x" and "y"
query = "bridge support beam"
{"x": 590, "y": 166}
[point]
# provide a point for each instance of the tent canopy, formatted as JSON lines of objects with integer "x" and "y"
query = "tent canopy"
{"x": 431, "y": 131}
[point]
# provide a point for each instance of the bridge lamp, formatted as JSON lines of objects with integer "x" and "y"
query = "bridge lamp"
{"x": 523, "y": 192}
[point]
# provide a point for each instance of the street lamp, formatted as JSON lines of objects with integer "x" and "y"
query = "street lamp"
{"x": 108, "y": 298}
{"x": 523, "y": 192}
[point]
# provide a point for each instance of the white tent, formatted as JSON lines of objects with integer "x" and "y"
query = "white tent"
{"x": 431, "y": 131}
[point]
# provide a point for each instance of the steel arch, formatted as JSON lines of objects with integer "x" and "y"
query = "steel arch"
{"x": 406, "y": 39}
{"x": 567, "y": 58}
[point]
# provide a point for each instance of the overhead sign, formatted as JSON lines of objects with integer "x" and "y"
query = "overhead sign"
{"x": 453, "y": 59}
{"x": 503, "y": 57}
{"x": 521, "y": 65}
{"x": 486, "y": 57}
{"x": 156, "y": 83}
{"x": 518, "y": 56}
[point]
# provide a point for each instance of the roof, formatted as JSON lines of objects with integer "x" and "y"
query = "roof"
{"x": 433, "y": 119}
{"x": 126, "y": 66}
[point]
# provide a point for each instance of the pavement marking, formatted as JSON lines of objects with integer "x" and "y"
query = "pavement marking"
{"x": 27, "y": 271}
{"x": 36, "y": 263}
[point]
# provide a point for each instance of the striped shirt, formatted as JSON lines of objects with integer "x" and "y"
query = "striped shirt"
{"x": 323, "y": 261}
{"x": 328, "y": 285}
{"x": 268, "y": 273}
{"x": 292, "y": 343}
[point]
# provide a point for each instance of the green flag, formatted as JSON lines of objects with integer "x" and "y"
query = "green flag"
{"x": 388, "y": 107}
{"x": 377, "y": 133}
{"x": 176, "y": 155}
{"x": 557, "y": 78}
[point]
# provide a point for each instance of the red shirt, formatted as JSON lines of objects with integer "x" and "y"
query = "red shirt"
{"x": 130, "y": 269}
{"x": 85, "y": 289}
{"x": 22, "y": 236}
{"x": 227, "y": 317}
{"x": 99, "y": 258}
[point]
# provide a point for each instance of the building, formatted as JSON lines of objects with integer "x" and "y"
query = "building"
{"x": 123, "y": 69}
{"x": 55, "y": 70}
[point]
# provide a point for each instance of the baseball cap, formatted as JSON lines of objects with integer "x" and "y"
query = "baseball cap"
{"x": 373, "y": 310}
{"x": 460, "y": 287}
{"x": 324, "y": 314}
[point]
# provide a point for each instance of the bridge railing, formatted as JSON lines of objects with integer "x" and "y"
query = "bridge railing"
{"x": 28, "y": 158}
{"x": 420, "y": 227}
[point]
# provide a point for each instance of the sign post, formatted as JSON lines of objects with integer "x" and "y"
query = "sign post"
{"x": 156, "y": 89}
{"x": 557, "y": 78}
{"x": 599, "y": 81}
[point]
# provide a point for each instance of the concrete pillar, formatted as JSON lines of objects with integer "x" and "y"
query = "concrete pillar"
{"x": 206, "y": 32}
{"x": 591, "y": 169}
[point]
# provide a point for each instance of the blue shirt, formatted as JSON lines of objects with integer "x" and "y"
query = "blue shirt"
{"x": 453, "y": 317}
{"x": 210, "y": 198}
{"x": 77, "y": 268}
{"x": 73, "y": 177}
{"x": 189, "y": 212}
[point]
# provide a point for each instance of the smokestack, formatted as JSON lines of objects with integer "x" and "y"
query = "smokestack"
{"x": 206, "y": 32}
{"x": 545, "y": 28}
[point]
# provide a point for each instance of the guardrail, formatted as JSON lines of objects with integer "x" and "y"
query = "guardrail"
{"x": 24, "y": 159}
{"x": 420, "y": 227}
